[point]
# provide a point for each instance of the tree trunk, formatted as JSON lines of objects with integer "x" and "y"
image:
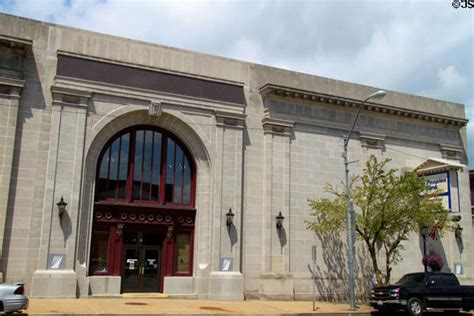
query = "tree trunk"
{"x": 375, "y": 266}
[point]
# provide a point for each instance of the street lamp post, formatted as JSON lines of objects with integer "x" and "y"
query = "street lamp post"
{"x": 424, "y": 233}
{"x": 350, "y": 216}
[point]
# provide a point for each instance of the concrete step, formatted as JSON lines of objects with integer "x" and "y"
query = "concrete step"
{"x": 144, "y": 295}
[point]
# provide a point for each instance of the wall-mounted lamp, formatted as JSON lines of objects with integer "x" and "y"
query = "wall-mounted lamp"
{"x": 229, "y": 216}
{"x": 169, "y": 232}
{"x": 61, "y": 206}
{"x": 456, "y": 218}
{"x": 279, "y": 220}
{"x": 458, "y": 231}
{"x": 119, "y": 229}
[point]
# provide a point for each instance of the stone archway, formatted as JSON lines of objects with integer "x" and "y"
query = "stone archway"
{"x": 195, "y": 141}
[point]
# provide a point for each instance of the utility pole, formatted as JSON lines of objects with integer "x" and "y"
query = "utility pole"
{"x": 350, "y": 215}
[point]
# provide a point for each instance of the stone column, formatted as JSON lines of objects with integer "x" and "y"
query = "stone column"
{"x": 275, "y": 244}
{"x": 10, "y": 90}
{"x": 226, "y": 280}
{"x": 55, "y": 276}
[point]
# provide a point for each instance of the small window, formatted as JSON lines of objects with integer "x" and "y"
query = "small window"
{"x": 99, "y": 251}
{"x": 182, "y": 253}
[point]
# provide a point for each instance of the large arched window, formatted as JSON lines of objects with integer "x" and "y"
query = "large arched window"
{"x": 145, "y": 165}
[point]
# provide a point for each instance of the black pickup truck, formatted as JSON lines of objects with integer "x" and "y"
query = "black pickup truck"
{"x": 424, "y": 291}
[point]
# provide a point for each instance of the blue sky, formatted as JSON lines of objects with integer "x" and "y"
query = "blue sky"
{"x": 420, "y": 47}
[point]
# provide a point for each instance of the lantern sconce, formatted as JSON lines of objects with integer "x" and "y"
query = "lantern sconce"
{"x": 169, "y": 232}
{"x": 229, "y": 216}
{"x": 458, "y": 231}
{"x": 61, "y": 207}
{"x": 456, "y": 218}
{"x": 119, "y": 229}
{"x": 279, "y": 220}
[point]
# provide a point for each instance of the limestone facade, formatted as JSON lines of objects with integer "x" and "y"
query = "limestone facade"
{"x": 262, "y": 140}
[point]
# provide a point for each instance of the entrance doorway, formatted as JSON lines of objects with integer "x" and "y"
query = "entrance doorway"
{"x": 144, "y": 212}
{"x": 141, "y": 262}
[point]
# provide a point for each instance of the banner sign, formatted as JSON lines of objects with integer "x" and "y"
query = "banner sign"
{"x": 439, "y": 183}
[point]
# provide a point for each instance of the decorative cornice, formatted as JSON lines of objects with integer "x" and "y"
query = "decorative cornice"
{"x": 16, "y": 40}
{"x": 450, "y": 148}
{"x": 451, "y": 152}
{"x": 229, "y": 119}
{"x": 280, "y": 91}
{"x": 372, "y": 140}
{"x": 277, "y": 126}
{"x": 17, "y": 46}
{"x": 11, "y": 82}
{"x": 11, "y": 88}
{"x": 64, "y": 96}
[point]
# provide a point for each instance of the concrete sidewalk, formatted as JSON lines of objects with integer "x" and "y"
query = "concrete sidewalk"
{"x": 147, "y": 306}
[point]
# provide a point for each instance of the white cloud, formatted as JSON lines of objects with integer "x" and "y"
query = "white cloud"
{"x": 451, "y": 84}
{"x": 451, "y": 79}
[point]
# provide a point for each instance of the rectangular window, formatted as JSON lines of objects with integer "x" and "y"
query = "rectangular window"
{"x": 99, "y": 251}
{"x": 147, "y": 165}
{"x": 182, "y": 253}
{"x": 137, "y": 170}
{"x": 155, "y": 188}
{"x": 178, "y": 176}
{"x": 170, "y": 171}
{"x": 113, "y": 169}
{"x": 187, "y": 182}
{"x": 103, "y": 176}
{"x": 123, "y": 168}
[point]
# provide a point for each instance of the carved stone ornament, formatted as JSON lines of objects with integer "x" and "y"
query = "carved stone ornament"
{"x": 155, "y": 108}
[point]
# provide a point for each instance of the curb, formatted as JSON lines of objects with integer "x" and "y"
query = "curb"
{"x": 210, "y": 314}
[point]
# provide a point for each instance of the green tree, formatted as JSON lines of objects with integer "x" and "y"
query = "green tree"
{"x": 389, "y": 207}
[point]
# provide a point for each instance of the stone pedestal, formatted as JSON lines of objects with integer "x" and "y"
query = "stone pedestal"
{"x": 104, "y": 285}
{"x": 179, "y": 287}
{"x": 54, "y": 283}
{"x": 227, "y": 286}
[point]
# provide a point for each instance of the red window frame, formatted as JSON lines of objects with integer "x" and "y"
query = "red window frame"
{"x": 189, "y": 232}
{"x": 163, "y": 170}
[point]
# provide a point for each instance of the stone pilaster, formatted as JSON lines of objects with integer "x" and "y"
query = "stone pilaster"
{"x": 10, "y": 90}
{"x": 226, "y": 279}
{"x": 277, "y": 134}
{"x": 64, "y": 178}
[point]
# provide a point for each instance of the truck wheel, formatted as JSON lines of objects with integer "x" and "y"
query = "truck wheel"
{"x": 415, "y": 306}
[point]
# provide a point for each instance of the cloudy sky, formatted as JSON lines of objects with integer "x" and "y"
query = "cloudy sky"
{"x": 420, "y": 47}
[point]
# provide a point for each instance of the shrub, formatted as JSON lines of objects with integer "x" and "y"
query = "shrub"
{"x": 435, "y": 262}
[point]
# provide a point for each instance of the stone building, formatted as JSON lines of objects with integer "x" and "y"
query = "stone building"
{"x": 471, "y": 182}
{"x": 148, "y": 147}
